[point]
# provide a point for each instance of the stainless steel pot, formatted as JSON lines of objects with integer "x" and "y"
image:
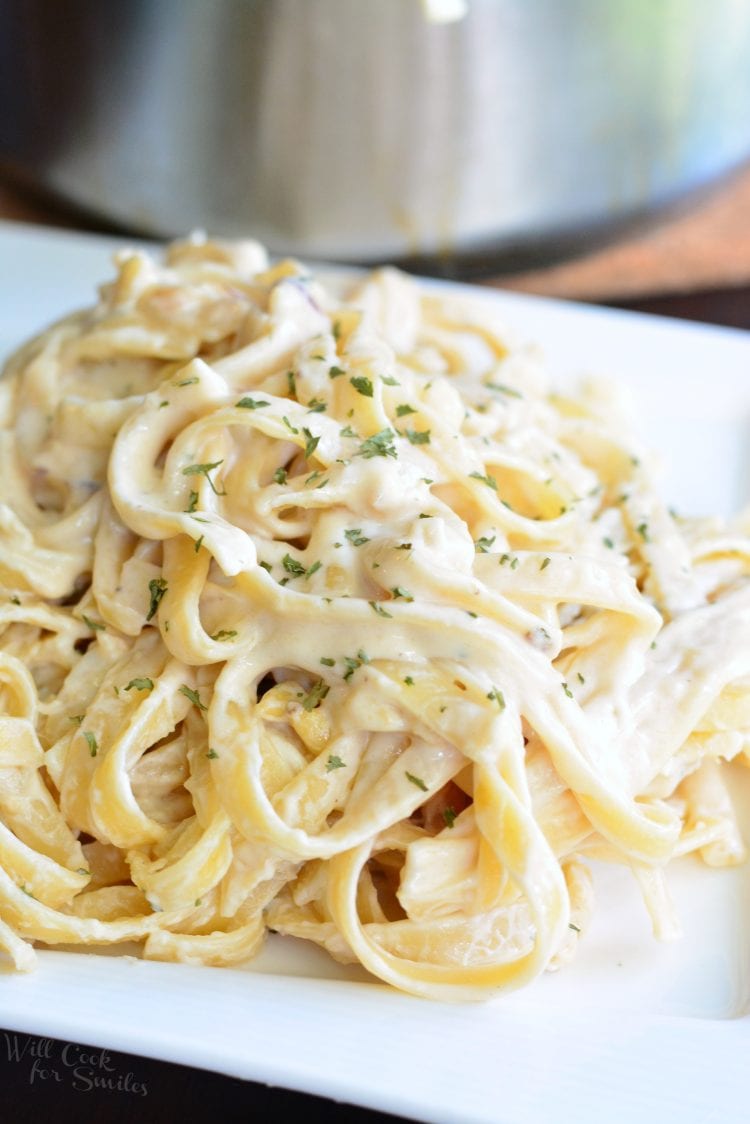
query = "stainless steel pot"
{"x": 357, "y": 129}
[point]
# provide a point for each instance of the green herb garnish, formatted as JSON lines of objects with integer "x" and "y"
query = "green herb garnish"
{"x": 449, "y": 816}
{"x": 379, "y": 445}
{"x": 157, "y": 588}
{"x": 311, "y": 444}
{"x": 293, "y": 566}
{"x": 490, "y": 481}
{"x": 362, "y": 385}
{"x": 376, "y": 608}
{"x": 251, "y": 404}
{"x": 205, "y": 470}
{"x": 351, "y": 663}
{"x": 503, "y": 389}
{"x": 194, "y": 697}
{"x": 315, "y": 695}
{"x": 141, "y": 684}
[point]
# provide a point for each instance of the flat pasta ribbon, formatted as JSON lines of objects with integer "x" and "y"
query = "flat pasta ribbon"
{"x": 322, "y": 613}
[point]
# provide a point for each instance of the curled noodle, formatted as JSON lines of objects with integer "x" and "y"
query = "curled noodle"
{"x": 324, "y": 615}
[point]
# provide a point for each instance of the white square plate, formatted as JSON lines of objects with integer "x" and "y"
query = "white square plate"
{"x": 632, "y": 1030}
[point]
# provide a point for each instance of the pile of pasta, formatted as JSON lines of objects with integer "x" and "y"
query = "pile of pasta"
{"x": 322, "y": 614}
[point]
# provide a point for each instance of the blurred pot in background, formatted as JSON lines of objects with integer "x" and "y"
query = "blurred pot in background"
{"x": 359, "y": 130}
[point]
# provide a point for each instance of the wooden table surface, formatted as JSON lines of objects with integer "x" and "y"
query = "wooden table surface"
{"x": 43, "y": 1080}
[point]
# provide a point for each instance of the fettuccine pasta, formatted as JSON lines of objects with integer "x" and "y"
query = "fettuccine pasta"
{"x": 324, "y": 615}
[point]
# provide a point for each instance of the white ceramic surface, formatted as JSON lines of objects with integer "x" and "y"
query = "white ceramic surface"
{"x": 633, "y": 1030}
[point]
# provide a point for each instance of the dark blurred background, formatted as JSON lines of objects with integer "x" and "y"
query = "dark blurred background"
{"x": 567, "y": 147}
